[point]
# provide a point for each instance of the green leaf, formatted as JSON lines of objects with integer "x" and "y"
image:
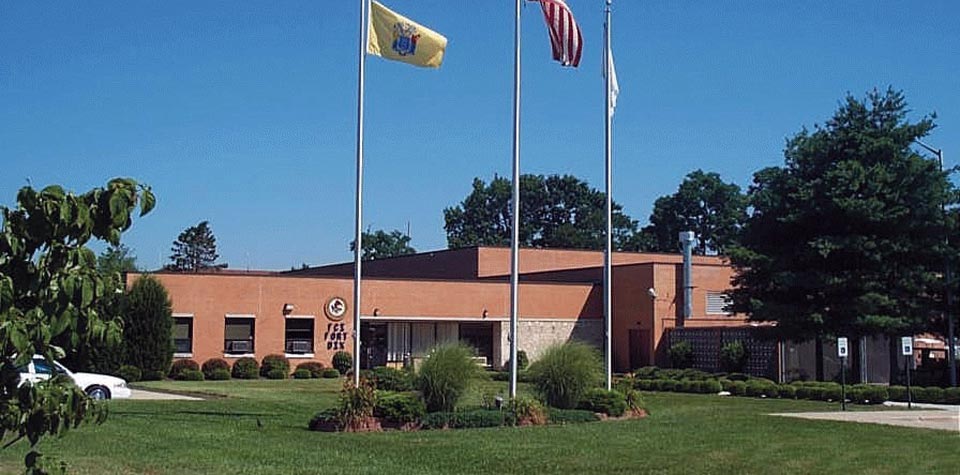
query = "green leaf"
{"x": 86, "y": 297}
{"x": 147, "y": 201}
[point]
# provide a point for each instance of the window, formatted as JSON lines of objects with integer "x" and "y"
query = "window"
{"x": 299, "y": 336}
{"x": 183, "y": 335}
{"x": 717, "y": 303}
{"x": 238, "y": 335}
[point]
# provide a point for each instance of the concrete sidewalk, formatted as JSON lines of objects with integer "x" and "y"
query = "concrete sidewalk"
{"x": 155, "y": 396}
{"x": 948, "y": 420}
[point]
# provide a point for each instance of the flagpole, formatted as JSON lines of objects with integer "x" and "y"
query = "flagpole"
{"x": 358, "y": 219}
{"x": 607, "y": 256}
{"x": 515, "y": 205}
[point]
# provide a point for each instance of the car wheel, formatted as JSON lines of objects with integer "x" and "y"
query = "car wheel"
{"x": 98, "y": 392}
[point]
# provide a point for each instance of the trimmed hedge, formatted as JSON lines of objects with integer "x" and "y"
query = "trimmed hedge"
{"x": 302, "y": 373}
{"x": 314, "y": 368}
{"x": 189, "y": 375}
{"x": 392, "y": 379}
{"x": 342, "y": 361}
{"x": 275, "y": 367}
{"x": 180, "y": 366}
{"x": 246, "y": 368}
{"x": 219, "y": 374}
{"x": 570, "y": 416}
{"x": 331, "y": 373}
{"x": 468, "y": 419}
{"x": 214, "y": 364}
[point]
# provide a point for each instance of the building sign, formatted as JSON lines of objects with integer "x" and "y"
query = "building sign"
{"x": 335, "y": 309}
{"x": 906, "y": 346}
{"x": 336, "y": 336}
{"x": 842, "y": 347}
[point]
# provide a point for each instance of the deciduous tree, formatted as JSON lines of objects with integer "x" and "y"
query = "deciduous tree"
{"x": 381, "y": 245}
{"x": 555, "y": 212}
{"x": 50, "y": 294}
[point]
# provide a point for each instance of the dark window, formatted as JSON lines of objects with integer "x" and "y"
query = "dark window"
{"x": 299, "y": 336}
{"x": 238, "y": 336}
{"x": 183, "y": 334}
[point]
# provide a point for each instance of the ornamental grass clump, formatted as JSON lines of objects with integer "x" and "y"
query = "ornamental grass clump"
{"x": 565, "y": 372}
{"x": 445, "y": 376}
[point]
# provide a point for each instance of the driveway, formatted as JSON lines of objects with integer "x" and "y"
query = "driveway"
{"x": 155, "y": 396}
{"x": 924, "y": 419}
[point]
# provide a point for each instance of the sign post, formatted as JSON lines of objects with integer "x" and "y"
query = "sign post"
{"x": 842, "y": 353}
{"x": 906, "y": 349}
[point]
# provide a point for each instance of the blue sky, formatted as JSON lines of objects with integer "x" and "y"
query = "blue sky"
{"x": 244, "y": 113}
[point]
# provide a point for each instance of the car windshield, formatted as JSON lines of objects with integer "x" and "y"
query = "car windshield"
{"x": 41, "y": 366}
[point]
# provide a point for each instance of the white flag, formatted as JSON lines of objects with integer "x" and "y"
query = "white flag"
{"x": 614, "y": 85}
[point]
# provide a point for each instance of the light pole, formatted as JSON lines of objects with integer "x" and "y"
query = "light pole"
{"x": 948, "y": 278}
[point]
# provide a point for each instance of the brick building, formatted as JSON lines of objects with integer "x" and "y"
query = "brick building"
{"x": 412, "y": 303}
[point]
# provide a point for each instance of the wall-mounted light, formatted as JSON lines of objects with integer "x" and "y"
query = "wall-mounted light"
{"x": 376, "y": 312}
{"x": 652, "y": 292}
{"x": 287, "y": 308}
{"x": 484, "y": 315}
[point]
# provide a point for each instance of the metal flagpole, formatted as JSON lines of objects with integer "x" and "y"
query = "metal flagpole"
{"x": 358, "y": 219}
{"x": 515, "y": 205}
{"x": 607, "y": 255}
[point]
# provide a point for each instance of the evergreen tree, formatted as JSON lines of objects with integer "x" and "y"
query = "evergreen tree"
{"x": 195, "y": 250}
{"x": 847, "y": 238}
{"x": 148, "y": 327}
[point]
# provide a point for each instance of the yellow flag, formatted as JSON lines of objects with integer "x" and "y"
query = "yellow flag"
{"x": 396, "y": 37}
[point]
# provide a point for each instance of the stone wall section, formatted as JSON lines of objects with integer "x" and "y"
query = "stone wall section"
{"x": 537, "y": 335}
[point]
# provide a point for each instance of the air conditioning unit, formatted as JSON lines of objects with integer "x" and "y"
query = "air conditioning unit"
{"x": 241, "y": 346}
{"x": 300, "y": 346}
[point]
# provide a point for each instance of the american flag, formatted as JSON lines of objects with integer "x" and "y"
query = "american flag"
{"x": 565, "y": 35}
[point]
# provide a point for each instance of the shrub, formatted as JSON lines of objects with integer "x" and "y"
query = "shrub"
{"x": 245, "y": 368}
{"x": 634, "y": 400}
{"x": 151, "y": 375}
{"x": 400, "y": 408}
{"x": 130, "y": 373}
{"x": 710, "y": 387}
{"x": 647, "y": 372}
{"x": 734, "y": 356}
{"x": 445, "y": 375}
{"x": 726, "y": 385}
{"x": 356, "y": 403}
{"x": 331, "y": 373}
{"x": 761, "y": 388}
{"x": 314, "y": 368}
{"x": 278, "y": 365}
{"x": 738, "y": 377}
{"x": 302, "y": 373}
{"x": 323, "y": 419}
{"x": 179, "y": 366}
{"x": 686, "y": 386}
{"x": 570, "y": 416}
{"x": 932, "y": 395}
{"x": 468, "y": 419}
{"x": 867, "y": 394}
{"x": 897, "y": 393}
{"x": 830, "y": 393}
{"x": 214, "y": 364}
{"x": 392, "y": 379}
{"x": 738, "y": 388}
{"x": 951, "y": 396}
{"x": 218, "y": 374}
{"x": 522, "y": 360}
{"x": 610, "y": 403}
{"x": 646, "y": 384}
{"x": 189, "y": 375}
{"x": 342, "y": 361}
{"x": 527, "y": 411}
{"x": 564, "y": 372}
{"x": 788, "y": 392}
{"x": 148, "y": 328}
{"x": 681, "y": 354}
{"x": 278, "y": 373}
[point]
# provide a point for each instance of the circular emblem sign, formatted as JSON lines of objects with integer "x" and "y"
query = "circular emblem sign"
{"x": 335, "y": 309}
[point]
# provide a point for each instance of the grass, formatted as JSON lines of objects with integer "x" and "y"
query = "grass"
{"x": 686, "y": 433}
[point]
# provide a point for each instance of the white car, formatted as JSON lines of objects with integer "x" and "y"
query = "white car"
{"x": 97, "y": 386}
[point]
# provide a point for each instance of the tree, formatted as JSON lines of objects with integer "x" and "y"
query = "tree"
{"x": 106, "y": 356}
{"x": 49, "y": 300}
{"x": 847, "y": 237}
{"x": 195, "y": 250}
{"x": 380, "y": 245}
{"x": 715, "y": 211}
{"x": 148, "y": 327}
{"x": 555, "y": 212}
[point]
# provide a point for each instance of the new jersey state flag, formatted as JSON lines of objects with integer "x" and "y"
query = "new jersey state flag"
{"x": 396, "y": 37}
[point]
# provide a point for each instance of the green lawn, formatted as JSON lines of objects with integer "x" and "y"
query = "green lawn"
{"x": 685, "y": 434}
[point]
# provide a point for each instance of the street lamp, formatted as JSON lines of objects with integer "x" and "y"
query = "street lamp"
{"x": 951, "y": 357}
